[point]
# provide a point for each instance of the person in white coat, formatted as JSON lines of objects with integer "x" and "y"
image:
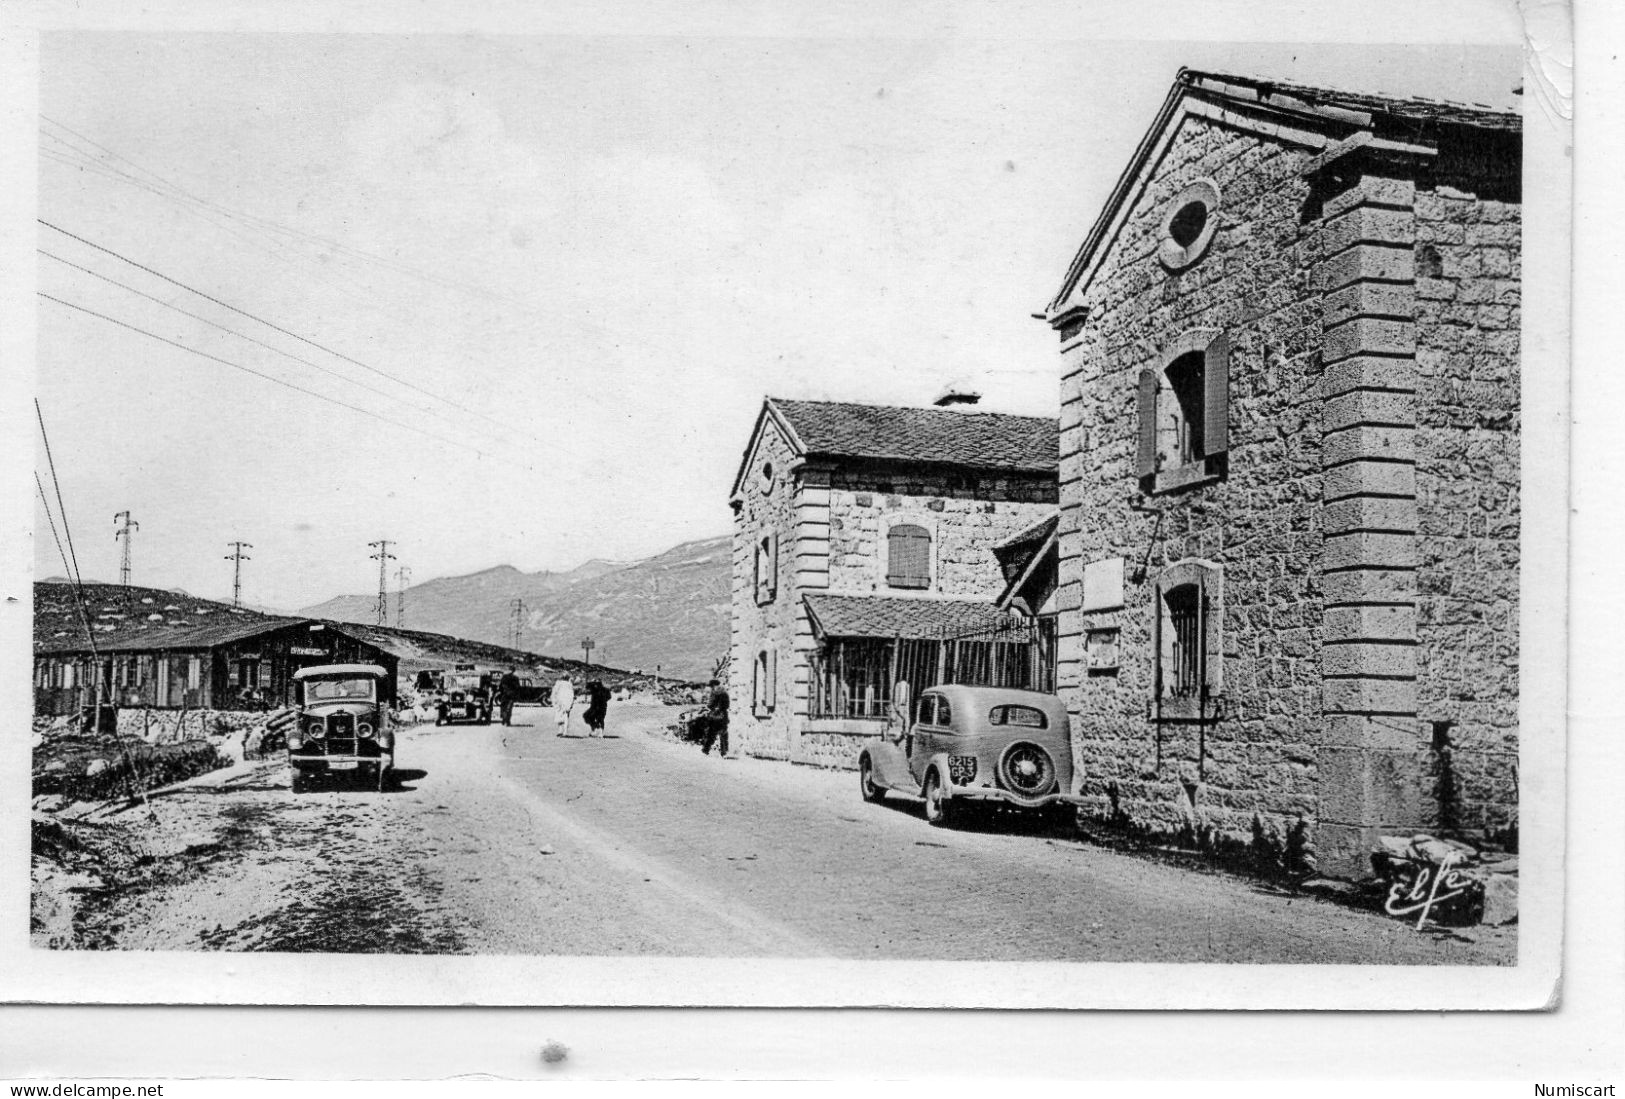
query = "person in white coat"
{"x": 563, "y": 700}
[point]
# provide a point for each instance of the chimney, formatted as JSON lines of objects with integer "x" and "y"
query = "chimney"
{"x": 957, "y": 395}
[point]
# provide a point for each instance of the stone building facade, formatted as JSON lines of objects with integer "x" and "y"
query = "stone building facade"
{"x": 1288, "y": 544}
{"x": 856, "y": 525}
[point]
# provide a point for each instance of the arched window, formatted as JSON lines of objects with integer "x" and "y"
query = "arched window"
{"x": 908, "y": 556}
{"x": 1188, "y": 629}
{"x": 1184, "y": 413}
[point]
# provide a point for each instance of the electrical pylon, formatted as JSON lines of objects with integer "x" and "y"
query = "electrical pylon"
{"x": 237, "y": 557}
{"x": 383, "y": 557}
{"x": 124, "y": 556}
{"x": 517, "y": 608}
{"x": 403, "y": 577}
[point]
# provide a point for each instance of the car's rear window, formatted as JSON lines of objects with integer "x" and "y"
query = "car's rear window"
{"x": 1025, "y": 716}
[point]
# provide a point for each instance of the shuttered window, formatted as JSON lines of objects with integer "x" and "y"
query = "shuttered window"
{"x": 767, "y": 569}
{"x": 1183, "y": 410}
{"x": 908, "y": 556}
{"x": 764, "y": 682}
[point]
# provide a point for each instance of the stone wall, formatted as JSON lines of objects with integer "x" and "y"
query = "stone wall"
{"x": 1251, "y": 769}
{"x": 1365, "y": 520}
{"x": 964, "y": 528}
{"x": 1468, "y": 308}
{"x": 770, "y": 626}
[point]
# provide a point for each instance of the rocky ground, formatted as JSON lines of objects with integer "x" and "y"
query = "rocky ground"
{"x": 511, "y": 840}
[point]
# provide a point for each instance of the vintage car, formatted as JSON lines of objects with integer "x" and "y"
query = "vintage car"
{"x": 465, "y": 696}
{"x": 342, "y": 725}
{"x": 961, "y": 744}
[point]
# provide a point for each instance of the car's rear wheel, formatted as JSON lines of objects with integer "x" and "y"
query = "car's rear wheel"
{"x": 872, "y": 791}
{"x": 939, "y": 807}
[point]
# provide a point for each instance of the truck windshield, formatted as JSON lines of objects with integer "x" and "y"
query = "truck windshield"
{"x": 338, "y": 690}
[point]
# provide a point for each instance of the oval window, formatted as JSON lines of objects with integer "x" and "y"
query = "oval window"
{"x": 1189, "y": 224}
{"x": 767, "y": 476}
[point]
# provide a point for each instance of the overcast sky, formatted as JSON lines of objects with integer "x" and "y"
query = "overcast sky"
{"x": 565, "y": 269}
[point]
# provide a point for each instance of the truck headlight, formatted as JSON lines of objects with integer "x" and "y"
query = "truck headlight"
{"x": 364, "y": 731}
{"x": 315, "y": 730}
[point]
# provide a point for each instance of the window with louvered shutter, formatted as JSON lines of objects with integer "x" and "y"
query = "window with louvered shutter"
{"x": 908, "y": 556}
{"x": 1146, "y": 463}
{"x": 1216, "y": 397}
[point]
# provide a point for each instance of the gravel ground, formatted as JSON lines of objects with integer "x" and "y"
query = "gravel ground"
{"x": 511, "y": 840}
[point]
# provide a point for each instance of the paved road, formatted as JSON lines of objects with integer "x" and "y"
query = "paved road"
{"x": 512, "y": 840}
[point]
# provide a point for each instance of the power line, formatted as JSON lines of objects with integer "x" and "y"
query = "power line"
{"x": 229, "y": 331}
{"x": 273, "y": 226}
{"x": 269, "y": 324}
{"x": 46, "y": 439}
{"x": 274, "y": 379}
{"x": 138, "y": 786}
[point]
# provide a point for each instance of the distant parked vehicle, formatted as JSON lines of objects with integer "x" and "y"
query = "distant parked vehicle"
{"x": 466, "y": 696}
{"x": 962, "y": 744}
{"x": 342, "y": 725}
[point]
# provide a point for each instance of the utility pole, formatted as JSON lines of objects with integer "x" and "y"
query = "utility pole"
{"x": 517, "y": 608}
{"x": 124, "y": 533}
{"x": 383, "y": 557}
{"x": 586, "y": 650}
{"x": 237, "y": 557}
{"x": 403, "y": 576}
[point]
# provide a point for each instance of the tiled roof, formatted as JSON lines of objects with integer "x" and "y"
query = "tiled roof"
{"x": 1015, "y": 554}
{"x": 1035, "y": 535}
{"x": 1410, "y": 108}
{"x": 889, "y": 616}
{"x": 975, "y": 440}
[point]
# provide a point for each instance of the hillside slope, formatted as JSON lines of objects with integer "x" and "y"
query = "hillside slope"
{"x": 670, "y": 610}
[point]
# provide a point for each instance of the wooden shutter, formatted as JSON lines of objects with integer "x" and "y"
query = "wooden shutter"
{"x": 1216, "y": 397}
{"x": 772, "y": 679}
{"x": 908, "y": 556}
{"x": 772, "y": 566}
{"x": 1146, "y": 463}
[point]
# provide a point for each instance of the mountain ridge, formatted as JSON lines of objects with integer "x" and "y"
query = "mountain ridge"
{"x": 667, "y": 612}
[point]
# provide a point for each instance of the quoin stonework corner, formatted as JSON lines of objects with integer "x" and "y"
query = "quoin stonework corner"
{"x": 1289, "y": 495}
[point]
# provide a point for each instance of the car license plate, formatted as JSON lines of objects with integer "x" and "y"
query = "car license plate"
{"x": 348, "y": 765}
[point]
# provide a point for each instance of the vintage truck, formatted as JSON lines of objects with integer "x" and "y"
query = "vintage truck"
{"x": 341, "y": 727}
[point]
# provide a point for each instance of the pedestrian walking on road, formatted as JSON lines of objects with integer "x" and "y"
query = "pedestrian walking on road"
{"x": 597, "y": 707}
{"x": 716, "y": 720}
{"x": 507, "y": 690}
{"x": 564, "y": 700}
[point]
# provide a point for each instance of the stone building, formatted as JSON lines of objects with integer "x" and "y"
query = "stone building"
{"x": 864, "y": 536}
{"x": 1288, "y": 541}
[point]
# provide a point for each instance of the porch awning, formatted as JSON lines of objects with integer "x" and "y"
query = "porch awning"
{"x": 889, "y": 616}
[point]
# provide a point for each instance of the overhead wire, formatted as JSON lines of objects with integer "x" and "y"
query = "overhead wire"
{"x": 260, "y": 320}
{"x": 156, "y": 184}
{"x": 138, "y": 784}
{"x": 371, "y": 257}
{"x": 229, "y": 331}
{"x": 279, "y": 250}
{"x": 279, "y": 381}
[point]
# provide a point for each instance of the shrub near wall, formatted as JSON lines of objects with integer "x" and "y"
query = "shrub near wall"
{"x": 155, "y": 765}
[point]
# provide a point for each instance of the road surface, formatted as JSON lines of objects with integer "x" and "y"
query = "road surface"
{"x": 515, "y": 841}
